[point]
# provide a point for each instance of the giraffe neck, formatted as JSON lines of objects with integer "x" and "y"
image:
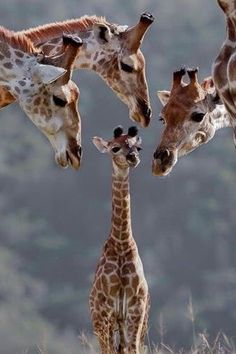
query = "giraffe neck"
{"x": 93, "y": 55}
{"x": 231, "y": 30}
{"x": 121, "y": 230}
{"x": 13, "y": 70}
{"x": 220, "y": 117}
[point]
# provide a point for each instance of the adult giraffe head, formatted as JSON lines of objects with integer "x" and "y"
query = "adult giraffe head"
{"x": 49, "y": 97}
{"x": 191, "y": 114}
{"x": 56, "y": 107}
{"x": 125, "y": 71}
{"x": 111, "y": 50}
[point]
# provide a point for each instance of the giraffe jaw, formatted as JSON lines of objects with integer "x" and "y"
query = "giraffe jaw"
{"x": 67, "y": 159}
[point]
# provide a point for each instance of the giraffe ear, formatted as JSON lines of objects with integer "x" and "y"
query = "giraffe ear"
{"x": 208, "y": 85}
{"x": 48, "y": 73}
{"x": 100, "y": 144}
{"x": 102, "y": 32}
{"x": 163, "y": 96}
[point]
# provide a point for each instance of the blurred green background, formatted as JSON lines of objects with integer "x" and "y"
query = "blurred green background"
{"x": 54, "y": 222}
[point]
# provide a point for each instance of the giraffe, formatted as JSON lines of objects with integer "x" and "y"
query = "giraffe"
{"x": 44, "y": 90}
{"x": 192, "y": 113}
{"x": 119, "y": 299}
{"x": 112, "y": 51}
{"x": 223, "y": 69}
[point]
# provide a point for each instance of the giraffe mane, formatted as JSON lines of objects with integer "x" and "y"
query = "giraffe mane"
{"x": 43, "y": 33}
{"x": 17, "y": 40}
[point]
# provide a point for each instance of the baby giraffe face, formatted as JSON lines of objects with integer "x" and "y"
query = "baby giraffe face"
{"x": 123, "y": 148}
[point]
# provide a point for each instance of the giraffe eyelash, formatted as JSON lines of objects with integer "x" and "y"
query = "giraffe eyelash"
{"x": 59, "y": 102}
{"x": 162, "y": 120}
{"x": 127, "y": 68}
{"x": 115, "y": 149}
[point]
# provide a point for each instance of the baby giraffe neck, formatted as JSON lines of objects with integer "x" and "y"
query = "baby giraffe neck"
{"x": 121, "y": 214}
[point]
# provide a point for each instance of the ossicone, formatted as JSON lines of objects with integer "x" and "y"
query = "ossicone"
{"x": 118, "y": 131}
{"x": 133, "y": 131}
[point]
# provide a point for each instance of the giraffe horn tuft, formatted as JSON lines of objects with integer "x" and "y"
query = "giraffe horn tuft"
{"x": 192, "y": 73}
{"x": 118, "y": 131}
{"x": 133, "y": 131}
{"x": 177, "y": 77}
{"x": 135, "y": 34}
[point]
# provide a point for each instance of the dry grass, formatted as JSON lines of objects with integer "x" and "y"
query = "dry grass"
{"x": 221, "y": 345}
{"x": 201, "y": 344}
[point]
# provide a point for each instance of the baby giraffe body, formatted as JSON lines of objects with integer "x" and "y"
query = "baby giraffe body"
{"x": 119, "y": 299}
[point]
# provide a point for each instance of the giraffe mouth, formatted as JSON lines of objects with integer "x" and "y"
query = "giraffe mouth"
{"x": 74, "y": 159}
{"x": 163, "y": 161}
{"x": 142, "y": 113}
{"x": 69, "y": 159}
{"x": 160, "y": 170}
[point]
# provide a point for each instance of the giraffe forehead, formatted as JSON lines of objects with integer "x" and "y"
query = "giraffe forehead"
{"x": 184, "y": 98}
{"x": 176, "y": 113}
{"x": 124, "y": 140}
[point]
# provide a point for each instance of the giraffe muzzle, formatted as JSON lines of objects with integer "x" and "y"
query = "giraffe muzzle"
{"x": 144, "y": 113}
{"x": 74, "y": 157}
{"x": 132, "y": 159}
{"x": 70, "y": 158}
{"x": 163, "y": 161}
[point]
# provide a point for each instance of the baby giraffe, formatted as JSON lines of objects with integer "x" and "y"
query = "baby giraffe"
{"x": 119, "y": 300}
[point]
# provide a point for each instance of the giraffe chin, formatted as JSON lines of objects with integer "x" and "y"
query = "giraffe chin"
{"x": 160, "y": 170}
{"x": 68, "y": 159}
{"x": 73, "y": 160}
{"x": 142, "y": 120}
{"x": 133, "y": 164}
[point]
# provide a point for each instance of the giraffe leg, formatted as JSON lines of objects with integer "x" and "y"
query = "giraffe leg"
{"x": 145, "y": 325}
{"x": 121, "y": 348}
{"x": 104, "y": 329}
{"x": 135, "y": 322}
{"x": 105, "y": 335}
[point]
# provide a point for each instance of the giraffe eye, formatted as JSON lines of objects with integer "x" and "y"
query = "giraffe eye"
{"x": 197, "y": 116}
{"x": 115, "y": 149}
{"x": 59, "y": 102}
{"x": 127, "y": 68}
{"x": 139, "y": 148}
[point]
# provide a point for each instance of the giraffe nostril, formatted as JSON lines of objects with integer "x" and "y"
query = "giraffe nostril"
{"x": 155, "y": 155}
{"x": 80, "y": 151}
{"x": 163, "y": 155}
{"x": 144, "y": 108}
{"x": 149, "y": 113}
{"x": 131, "y": 157}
